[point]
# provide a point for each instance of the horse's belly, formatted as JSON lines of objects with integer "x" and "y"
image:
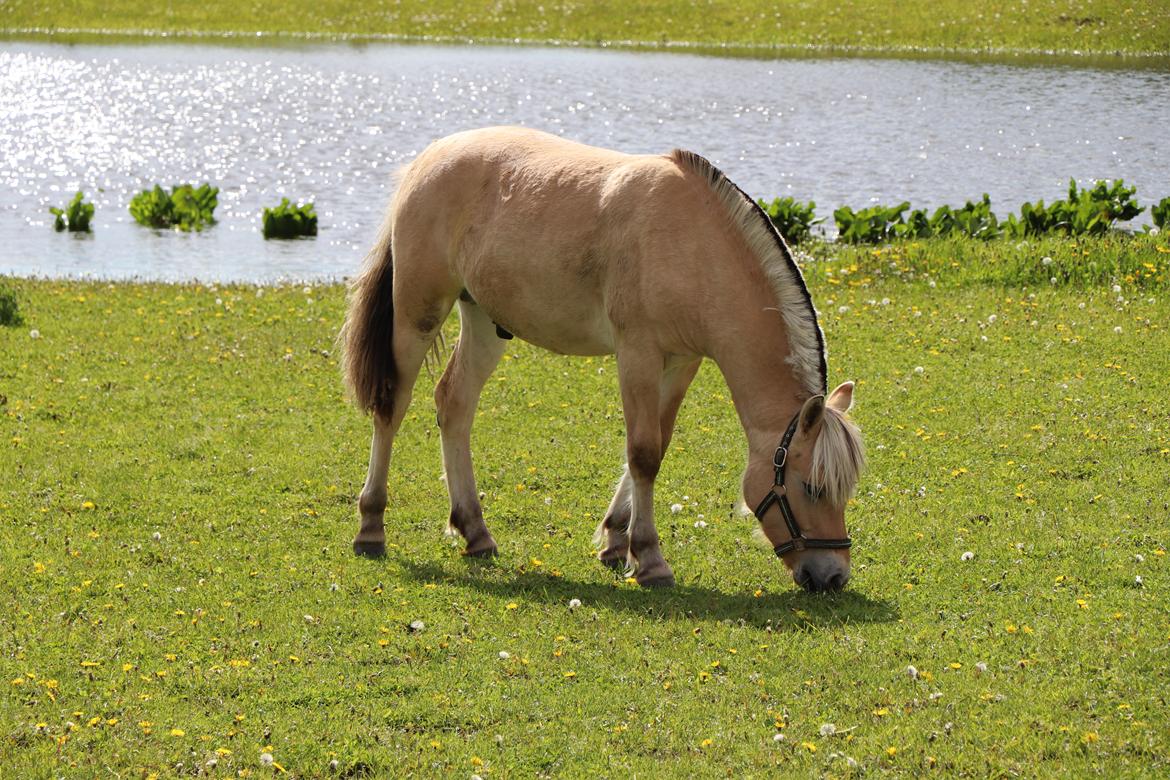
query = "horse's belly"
{"x": 560, "y": 315}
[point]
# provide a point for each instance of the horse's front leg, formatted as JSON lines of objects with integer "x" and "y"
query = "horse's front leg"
{"x": 613, "y": 533}
{"x": 640, "y": 374}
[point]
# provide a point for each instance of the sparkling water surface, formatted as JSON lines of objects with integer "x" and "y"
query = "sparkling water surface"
{"x": 331, "y": 122}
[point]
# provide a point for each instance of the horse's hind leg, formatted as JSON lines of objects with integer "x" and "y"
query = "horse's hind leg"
{"x": 456, "y": 397}
{"x": 614, "y": 529}
{"x": 414, "y": 334}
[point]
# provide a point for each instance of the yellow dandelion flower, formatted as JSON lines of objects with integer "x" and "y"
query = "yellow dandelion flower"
{"x": 955, "y": 665}
{"x": 1090, "y": 737}
{"x": 476, "y": 761}
{"x": 707, "y": 743}
{"x": 881, "y": 712}
{"x": 512, "y": 605}
{"x": 87, "y": 505}
{"x": 570, "y": 675}
{"x": 891, "y": 751}
{"x": 178, "y": 733}
{"x": 810, "y": 747}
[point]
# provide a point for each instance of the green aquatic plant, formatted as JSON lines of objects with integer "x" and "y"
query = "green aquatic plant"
{"x": 1090, "y": 211}
{"x": 75, "y": 217}
{"x": 791, "y": 217}
{"x": 868, "y": 226}
{"x": 10, "y": 315}
{"x": 185, "y": 207}
{"x": 289, "y": 221}
{"x": 1160, "y": 212}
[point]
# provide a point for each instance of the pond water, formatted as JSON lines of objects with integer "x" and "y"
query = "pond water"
{"x": 330, "y": 123}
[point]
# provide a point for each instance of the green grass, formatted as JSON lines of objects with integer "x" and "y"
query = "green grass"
{"x": 1067, "y": 26}
{"x": 214, "y": 418}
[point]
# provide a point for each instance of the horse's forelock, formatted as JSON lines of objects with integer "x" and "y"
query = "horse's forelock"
{"x": 838, "y": 457}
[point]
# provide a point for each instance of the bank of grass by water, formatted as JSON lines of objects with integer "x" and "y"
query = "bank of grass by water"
{"x": 180, "y": 479}
{"x": 1138, "y": 27}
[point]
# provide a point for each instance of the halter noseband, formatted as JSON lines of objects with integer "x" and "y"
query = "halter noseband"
{"x": 798, "y": 541}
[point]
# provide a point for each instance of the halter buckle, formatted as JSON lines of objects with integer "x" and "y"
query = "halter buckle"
{"x": 780, "y": 458}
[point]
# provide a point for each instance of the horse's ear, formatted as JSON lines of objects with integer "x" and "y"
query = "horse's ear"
{"x": 841, "y": 399}
{"x": 811, "y": 413}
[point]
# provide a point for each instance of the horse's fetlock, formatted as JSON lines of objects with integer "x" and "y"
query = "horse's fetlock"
{"x": 372, "y": 503}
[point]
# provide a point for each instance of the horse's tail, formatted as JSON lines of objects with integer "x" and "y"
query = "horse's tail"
{"x": 368, "y": 334}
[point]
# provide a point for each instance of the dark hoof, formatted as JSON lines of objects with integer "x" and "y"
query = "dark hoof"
{"x": 485, "y": 554}
{"x": 369, "y": 549}
{"x": 615, "y": 563}
{"x": 658, "y": 582}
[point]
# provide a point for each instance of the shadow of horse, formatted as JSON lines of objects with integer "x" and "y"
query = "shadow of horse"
{"x": 791, "y": 610}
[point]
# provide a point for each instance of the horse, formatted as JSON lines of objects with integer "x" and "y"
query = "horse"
{"x": 658, "y": 259}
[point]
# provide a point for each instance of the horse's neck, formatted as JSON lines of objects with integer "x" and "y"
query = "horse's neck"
{"x": 764, "y": 386}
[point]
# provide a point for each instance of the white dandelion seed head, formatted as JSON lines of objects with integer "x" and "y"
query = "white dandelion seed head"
{"x": 1046, "y": 261}
{"x": 981, "y": 667}
{"x": 885, "y": 301}
{"x": 932, "y": 283}
{"x": 700, "y": 524}
{"x": 34, "y": 334}
{"x": 991, "y": 318}
{"x": 777, "y": 737}
{"x": 967, "y": 556}
{"x": 212, "y": 763}
{"x": 1081, "y": 305}
{"x": 266, "y": 759}
{"x": 505, "y": 655}
{"x": 918, "y": 369}
{"x": 260, "y": 293}
{"x": 1138, "y": 581}
{"x": 851, "y": 762}
{"x": 828, "y": 729}
{"x": 1117, "y": 288}
{"x": 675, "y": 508}
{"x": 842, "y": 309}
{"x": 417, "y": 625}
{"x": 1139, "y": 558}
{"x": 935, "y": 696}
{"x": 333, "y": 586}
{"x": 333, "y": 765}
{"x": 156, "y": 536}
{"x": 574, "y": 603}
{"x": 548, "y": 500}
{"x": 309, "y": 618}
{"x": 1052, "y": 280}
{"x": 1117, "y": 329}
{"x": 912, "y": 672}
{"x": 983, "y": 338}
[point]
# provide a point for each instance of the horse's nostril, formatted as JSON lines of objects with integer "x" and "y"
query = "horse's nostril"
{"x": 836, "y": 582}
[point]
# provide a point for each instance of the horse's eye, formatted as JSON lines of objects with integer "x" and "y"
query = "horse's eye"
{"x": 813, "y": 493}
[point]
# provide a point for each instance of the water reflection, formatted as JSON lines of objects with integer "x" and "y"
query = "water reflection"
{"x": 332, "y": 122}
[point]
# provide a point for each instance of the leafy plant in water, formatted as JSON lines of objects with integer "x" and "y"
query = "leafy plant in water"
{"x": 289, "y": 221}
{"x": 868, "y": 226}
{"x": 185, "y": 207}
{"x": 1161, "y": 213}
{"x": 9, "y": 308}
{"x": 791, "y": 217}
{"x": 1086, "y": 212}
{"x": 75, "y": 217}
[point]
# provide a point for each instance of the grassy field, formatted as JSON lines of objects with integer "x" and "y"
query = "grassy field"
{"x": 180, "y": 475}
{"x": 1067, "y": 26}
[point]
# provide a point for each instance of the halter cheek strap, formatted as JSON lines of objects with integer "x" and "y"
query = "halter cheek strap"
{"x": 798, "y": 541}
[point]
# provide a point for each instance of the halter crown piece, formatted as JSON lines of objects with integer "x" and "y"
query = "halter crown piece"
{"x": 798, "y": 541}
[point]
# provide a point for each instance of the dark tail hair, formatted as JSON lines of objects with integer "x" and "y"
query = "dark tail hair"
{"x": 368, "y": 334}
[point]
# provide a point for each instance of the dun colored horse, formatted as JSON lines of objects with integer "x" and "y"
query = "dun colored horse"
{"x": 587, "y": 251}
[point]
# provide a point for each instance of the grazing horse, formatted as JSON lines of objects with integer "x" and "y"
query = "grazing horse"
{"x": 660, "y": 260}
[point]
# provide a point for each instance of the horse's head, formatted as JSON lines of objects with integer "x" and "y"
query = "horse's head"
{"x": 817, "y": 466}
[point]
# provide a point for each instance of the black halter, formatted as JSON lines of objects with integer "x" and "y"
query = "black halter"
{"x": 798, "y": 541}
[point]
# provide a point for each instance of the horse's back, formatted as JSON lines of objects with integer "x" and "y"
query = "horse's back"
{"x": 553, "y": 238}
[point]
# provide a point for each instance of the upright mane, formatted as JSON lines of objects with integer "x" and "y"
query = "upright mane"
{"x": 806, "y": 342}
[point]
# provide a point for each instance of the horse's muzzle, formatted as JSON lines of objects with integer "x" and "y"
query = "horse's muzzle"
{"x": 822, "y": 574}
